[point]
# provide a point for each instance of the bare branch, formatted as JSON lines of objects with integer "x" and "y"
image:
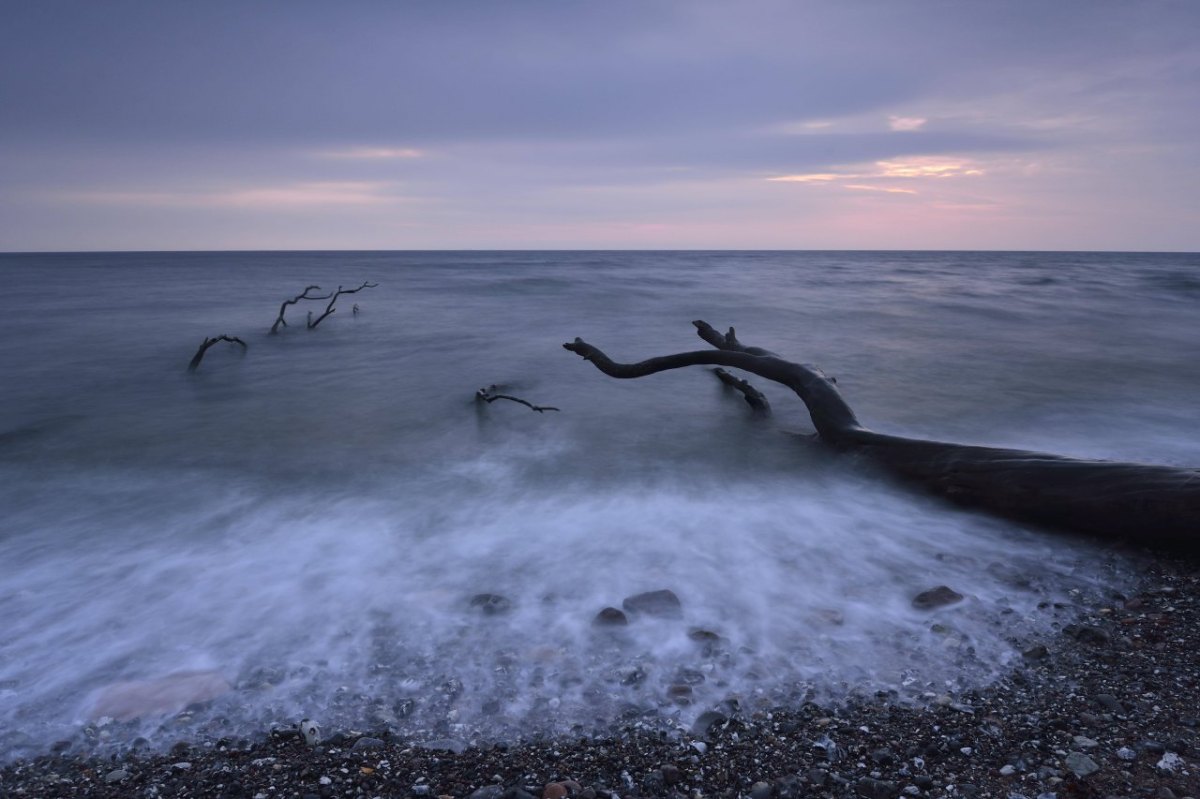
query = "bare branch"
{"x": 489, "y": 396}
{"x": 208, "y": 342}
{"x": 312, "y": 323}
{"x": 1152, "y": 505}
{"x": 279, "y": 320}
{"x": 754, "y": 398}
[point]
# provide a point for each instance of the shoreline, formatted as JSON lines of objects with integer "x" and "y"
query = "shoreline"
{"x": 1108, "y": 707}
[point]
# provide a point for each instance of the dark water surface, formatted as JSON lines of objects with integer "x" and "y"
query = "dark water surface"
{"x": 309, "y": 521}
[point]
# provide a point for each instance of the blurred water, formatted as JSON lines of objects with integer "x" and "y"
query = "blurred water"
{"x": 310, "y": 520}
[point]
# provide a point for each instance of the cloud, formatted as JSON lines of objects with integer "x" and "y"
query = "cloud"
{"x": 374, "y": 153}
{"x": 311, "y": 194}
{"x": 886, "y": 189}
{"x": 816, "y": 177}
{"x": 914, "y": 168}
{"x": 906, "y": 123}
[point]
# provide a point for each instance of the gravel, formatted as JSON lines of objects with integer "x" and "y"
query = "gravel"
{"x": 1108, "y": 709}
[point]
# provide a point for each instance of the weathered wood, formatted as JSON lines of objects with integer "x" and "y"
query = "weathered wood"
{"x": 1139, "y": 503}
{"x": 208, "y": 342}
{"x": 490, "y": 394}
{"x": 279, "y": 320}
{"x": 754, "y": 398}
{"x": 312, "y": 323}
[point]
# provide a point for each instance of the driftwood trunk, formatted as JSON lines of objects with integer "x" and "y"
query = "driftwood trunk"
{"x": 1138, "y": 503}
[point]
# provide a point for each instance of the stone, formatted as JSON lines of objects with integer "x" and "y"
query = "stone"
{"x": 1036, "y": 652}
{"x": 1088, "y": 634}
{"x": 116, "y": 775}
{"x": 610, "y": 617}
{"x": 871, "y": 788}
{"x": 1085, "y": 743}
{"x": 491, "y": 604}
{"x": 706, "y": 720}
{"x": 1109, "y": 703}
{"x": 760, "y": 790}
{"x": 1081, "y": 765}
{"x": 671, "y": 773}
{"x": 702, "y": 636}
{"x": 444, "y": 745}
{"x": 487, "y": 792}
{"x": 938, "y": 597}
{"x": 554, "y": 790}
{"x": 1169, "y": 763}
{"x": 311, "y": 732}
{"x": 125, "y": 701}
{"x": 365, "y": 743}
{"x": 1125, "y": 753}
{"x": 660, "y": 604}
{"x": 1008, "y": 770}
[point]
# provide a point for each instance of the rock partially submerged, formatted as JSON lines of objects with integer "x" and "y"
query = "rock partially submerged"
{"x": 125, "y": 701}
{"x": 661, "y": 604}
{"x": 938, "y": 597}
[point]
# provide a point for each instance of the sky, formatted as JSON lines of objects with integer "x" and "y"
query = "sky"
{"x": 565, "y": 124}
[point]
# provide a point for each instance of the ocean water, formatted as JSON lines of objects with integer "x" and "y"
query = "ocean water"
{"x": 304, "y": 524}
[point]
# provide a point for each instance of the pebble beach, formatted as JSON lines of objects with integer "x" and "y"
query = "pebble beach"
{"x": 1109, "y": 706}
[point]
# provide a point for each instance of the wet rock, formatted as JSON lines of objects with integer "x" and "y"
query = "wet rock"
{"x": 487, "y": 792}
{"x": 610, "y": 617}
{"x": 1036, "y": 652}
{"x": 117, "y": 775}
{"x": 760, "y": 790}
{"x": 680, "y": 693}
{"x": 1125, "y": 753}
{"x": 366, "y": 743}
{"x": 1081, "y": 765}
{"x": 701, "y": 636}
{"x": 1085, "y": 743}
{"x": 705, "y": 721}
{"x": 1109, "y": 703}
{"x": 1088, "y": 634}
{"x": 871, "y": 788}
{"x": 125, "y": 701}
{"x": 491, "y": 604}
{"x": 938, "y": 597}
{"x": 671, "y": 773}
{"x": 660, "y": 604}
{"x": 1169, "y": 763}
{"x": 445, "y": 745}
{"x": 554, "y": 790}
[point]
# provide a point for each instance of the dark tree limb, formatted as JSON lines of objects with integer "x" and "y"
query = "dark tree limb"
{"x": 208, "y": 342}
{"x": 279, "y": 321}
{"x": 490, "y": 395}
{"x": 312, "y": 323}
{"x": 1152, "y": 505}
{"x": 754, "y": 398}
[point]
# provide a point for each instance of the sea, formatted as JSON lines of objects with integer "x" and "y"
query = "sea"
{"x": 328, "y": 525}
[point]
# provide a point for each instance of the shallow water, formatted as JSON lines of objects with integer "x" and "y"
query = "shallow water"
{"x": 310, "y": 520}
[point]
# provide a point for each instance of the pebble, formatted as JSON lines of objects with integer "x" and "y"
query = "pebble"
{"x": 1084, "y": 742}
{"x": 1008, "y": 771}
{"x": 1170, "y": 763}
{"x": 366, "y": 742}
{"x": 116, "y": 776}
{"x": 1125, "y": 753}
{"x": 610, "y": 617}
{"x": 661, "y": 604}
{"x": 1081, "y": 765}
{"x": 938, "y": 597}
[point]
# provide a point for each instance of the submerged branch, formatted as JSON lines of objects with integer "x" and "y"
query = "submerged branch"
{"x": 312, "y": 323}
{"x": 754, "y": 398}
{"x": 490, "y": 395}
{"x": 279, "y": 320}
{"x": 208, "y": 342}
{"x": 1153, "y": 505}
